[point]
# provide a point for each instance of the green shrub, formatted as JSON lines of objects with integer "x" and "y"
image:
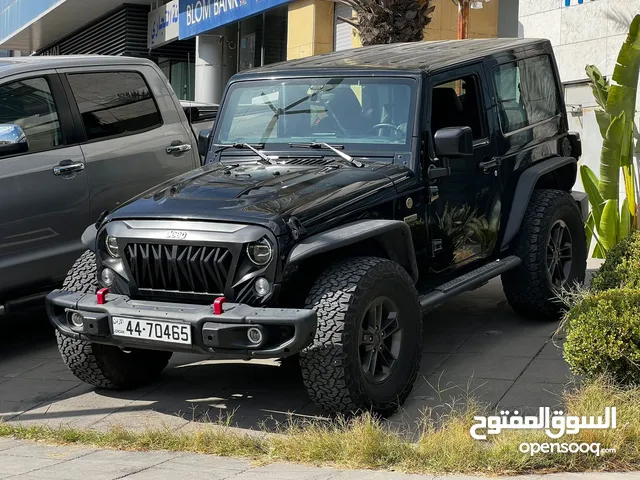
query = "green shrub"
{"x": 622, "y": 266}
{"x": 603, "y": 336}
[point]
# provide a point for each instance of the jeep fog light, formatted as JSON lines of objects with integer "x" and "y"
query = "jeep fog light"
{"x": 112, "y": 246}
{"x": 262, "y": 286}
{"x": 108, "y": 276}
{"x": 260, "y": 252}
{"x": 77, "y": 320}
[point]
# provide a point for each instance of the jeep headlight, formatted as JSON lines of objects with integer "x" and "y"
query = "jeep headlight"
{"x": 260, "y": 252}
{"x": 111, "y": 245}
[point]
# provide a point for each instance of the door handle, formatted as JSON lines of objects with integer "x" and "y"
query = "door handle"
{"x": 178, "y": 148}
{"x": 67, "y": 166}
{"x": 491, "y": 163}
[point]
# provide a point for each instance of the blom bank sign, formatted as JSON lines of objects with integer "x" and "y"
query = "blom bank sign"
{"x": 199, "y": 16}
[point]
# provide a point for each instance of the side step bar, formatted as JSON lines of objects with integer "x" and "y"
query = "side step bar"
{"x": 468, "y": 281}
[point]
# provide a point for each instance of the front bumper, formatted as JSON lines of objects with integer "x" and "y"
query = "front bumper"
{"x": 285, "y": 331}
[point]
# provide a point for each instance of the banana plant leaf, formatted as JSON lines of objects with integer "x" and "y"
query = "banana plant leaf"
{"x": 590, "y": 184}
{"x": 609, "y": 224}
{"x": 589, "y": 230}
{"x": 625, "y": 220}
{"x": 603, "y": 119}
{"x": 623, "y": 92}
{"x": 599, "y": 85}
{"x": 610, "y": 158}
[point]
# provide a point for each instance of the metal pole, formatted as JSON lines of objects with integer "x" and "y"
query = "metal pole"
{"x": 264, "y": 26}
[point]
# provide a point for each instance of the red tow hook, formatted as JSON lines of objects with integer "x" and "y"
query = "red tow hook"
{"x": 101, "y": 296}
{"x": 217, "y": 305}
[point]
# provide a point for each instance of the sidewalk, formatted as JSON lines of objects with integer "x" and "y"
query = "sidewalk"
{"x": 22, "y": 460}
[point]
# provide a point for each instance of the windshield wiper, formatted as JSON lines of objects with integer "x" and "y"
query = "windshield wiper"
{"x": 333, "y": 148}
{"x": 253, "y": 148}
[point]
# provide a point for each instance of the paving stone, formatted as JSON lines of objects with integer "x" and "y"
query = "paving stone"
{"x": 528, "y": 397}
{"x": 37, "y": 450}
{"x": 549, "y": 370}
{"x": 286, "y": 471}
{"x": 431, "y": 361}
{"x": 106, "y": 465}
{"x": 156, "y": 473}
{"x": 552, "y": 349}
{"x": 19, "y": 364}
{"x": 143, "y": 419}
{"x": 197, "y": 463}
{"x": 443, "y": 342}
{"x": 483, "y": 365}
{"x": 445, "y": 389}
{"x": 9, "y": 410}
{"x": 52, "y": 370}
{"x": 373, "y": 475}
{"x": 504, "y": 344}
{"x": 10, "y": 466}
{"x": 28, "y": 390}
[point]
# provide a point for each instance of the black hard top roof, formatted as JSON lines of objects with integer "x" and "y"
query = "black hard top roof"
{"x": 414, "y": 56}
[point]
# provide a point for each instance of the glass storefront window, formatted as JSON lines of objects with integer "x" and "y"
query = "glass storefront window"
{"x": 181, "y": 75}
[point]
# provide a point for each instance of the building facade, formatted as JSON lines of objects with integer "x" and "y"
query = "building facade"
{"x": 582, "y": 32}
{"x": 200, "y": 44}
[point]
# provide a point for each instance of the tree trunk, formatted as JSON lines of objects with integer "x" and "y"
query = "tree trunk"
{"x": 463, "y": 19}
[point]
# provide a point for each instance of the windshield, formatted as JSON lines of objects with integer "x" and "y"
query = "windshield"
{"x": 348, "y": 111}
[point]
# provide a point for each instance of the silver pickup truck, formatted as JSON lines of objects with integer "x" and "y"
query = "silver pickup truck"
{"x": 78, "y": 136}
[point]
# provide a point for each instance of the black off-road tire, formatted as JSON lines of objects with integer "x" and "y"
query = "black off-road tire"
{"x": 105, "y": 366}
{"x": 331, "y": 367}
{"x": 528, "y": 288}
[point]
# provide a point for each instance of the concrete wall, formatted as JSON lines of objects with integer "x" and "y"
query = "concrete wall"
{"x": 581, "y": 34}
{"x": 310, "y": 28}
{"x": 311, "y": 25}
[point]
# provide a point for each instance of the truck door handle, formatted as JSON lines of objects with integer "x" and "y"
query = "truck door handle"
{"x": 491, "y": 163}
{"x": 66, "y": 167}
{"x": 178, "y": 147}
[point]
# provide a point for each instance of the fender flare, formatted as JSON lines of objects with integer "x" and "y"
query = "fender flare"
{"x": 393, "y": 235}
{"x": 524, "y": 189}
{"x": 88, "y": 237}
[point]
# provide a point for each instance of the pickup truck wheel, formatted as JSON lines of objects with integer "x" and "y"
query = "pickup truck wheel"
{"x": 367, "y": 347}
{"x": 553, "y": 249}
{"x": 104, "y": 366}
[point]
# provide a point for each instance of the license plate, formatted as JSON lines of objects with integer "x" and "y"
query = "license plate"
{"x": 152, "y": 330}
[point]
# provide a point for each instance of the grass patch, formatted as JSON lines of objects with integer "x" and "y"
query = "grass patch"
{"x": 444, "y": 446}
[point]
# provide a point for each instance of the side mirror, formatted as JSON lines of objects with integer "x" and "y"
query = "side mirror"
{"x": 203, "y": 141}
{"x": 453, "y": 142}
{"x": 12, "y": 140}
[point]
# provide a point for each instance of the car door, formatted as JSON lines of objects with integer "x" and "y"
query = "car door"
{"x": 464, "y": 216}
{"x": 44, "y": 199}
{"x": 135, "y": 136}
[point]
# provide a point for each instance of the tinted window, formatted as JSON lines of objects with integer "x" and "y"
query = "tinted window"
{"x": 29, "y": 104}
{"x": 527, "y": 93}
{"x": 114, "y": 104}
{"x": 456, "y": 104}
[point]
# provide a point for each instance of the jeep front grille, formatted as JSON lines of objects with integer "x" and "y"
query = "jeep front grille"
{"x": 178, "y": 268}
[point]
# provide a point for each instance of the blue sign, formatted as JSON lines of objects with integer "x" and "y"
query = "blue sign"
{"x": 198, "y": 16}
{"x": 568, "y": 3}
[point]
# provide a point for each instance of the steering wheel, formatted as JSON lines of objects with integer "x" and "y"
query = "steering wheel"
{"x": 381, "y": 126}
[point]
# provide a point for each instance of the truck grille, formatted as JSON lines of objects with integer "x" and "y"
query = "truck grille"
{"x": 178, "y": 268}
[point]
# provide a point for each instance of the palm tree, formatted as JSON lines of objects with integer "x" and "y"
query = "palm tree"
{"x": 389, "y": 21}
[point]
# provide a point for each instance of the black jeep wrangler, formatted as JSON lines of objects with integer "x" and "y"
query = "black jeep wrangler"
{"x": 343, "y": 196}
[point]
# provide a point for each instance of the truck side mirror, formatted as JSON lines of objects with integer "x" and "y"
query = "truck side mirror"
{"x": 203, "y": 141}
{"x": 453, "y": 142}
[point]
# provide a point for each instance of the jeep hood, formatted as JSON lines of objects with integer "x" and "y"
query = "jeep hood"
{"x": 263, "y": 194}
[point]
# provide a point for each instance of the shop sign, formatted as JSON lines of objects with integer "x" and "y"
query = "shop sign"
{"x": 163, "y": 24}
{"x": 198, "y": 16}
